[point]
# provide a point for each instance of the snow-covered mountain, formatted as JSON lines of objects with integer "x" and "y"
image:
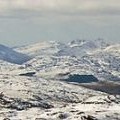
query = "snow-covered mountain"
{"x": 79, "y": 80}
{"x": 82, "y": 47}
{"x": 76, "y": 48}
{"x": 9, "y": 55}
{"x": 39, "y": 48}
{"x": 79, "y": 56}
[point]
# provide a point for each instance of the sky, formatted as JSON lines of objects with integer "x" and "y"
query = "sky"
{"x": 29, "y": 21}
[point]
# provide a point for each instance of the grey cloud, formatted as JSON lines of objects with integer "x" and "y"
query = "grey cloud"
{"x": 38, "y": 8}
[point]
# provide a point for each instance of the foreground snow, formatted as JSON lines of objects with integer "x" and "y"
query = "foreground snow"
{"x": 29, "y": 98}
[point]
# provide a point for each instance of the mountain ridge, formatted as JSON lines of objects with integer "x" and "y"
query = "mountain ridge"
{"x": 10, "y": 55}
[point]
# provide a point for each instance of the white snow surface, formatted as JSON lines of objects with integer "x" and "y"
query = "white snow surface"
{"x": 45, "y": 96}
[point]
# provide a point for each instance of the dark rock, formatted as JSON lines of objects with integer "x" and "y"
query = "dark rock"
{"x": 40, "y": 119}
{"x": 1, "y": 95}
{"x": 80, "y": 113}
{"x": 29, "y": 74}
{"x": 19, "y": 105}
{"x": 89, "y": 117}
{"x": 23, "y": 105}
{"x": 42, "y": 105}
{"x": 6, "y": 119}
{"x": 63, "y": 116}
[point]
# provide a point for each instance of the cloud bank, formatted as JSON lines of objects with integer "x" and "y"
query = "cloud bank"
{"x": 60, "y": 7}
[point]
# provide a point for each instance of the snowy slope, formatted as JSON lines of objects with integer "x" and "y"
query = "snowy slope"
{"x": 79, "y": 56}
{"x": 39, "y": 48}
{"x": 45, "y": 95}
{"x": 31, "y": 98}
{"x": 74, "y": 48}
{"x": 9, "y": 55}
{"x": 81, "y": 47}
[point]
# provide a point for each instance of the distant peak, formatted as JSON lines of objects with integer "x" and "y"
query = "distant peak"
{"x": 9, "y": 55}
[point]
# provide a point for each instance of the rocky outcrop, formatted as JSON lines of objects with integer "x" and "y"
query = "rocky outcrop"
{"x": 19, "y": 104}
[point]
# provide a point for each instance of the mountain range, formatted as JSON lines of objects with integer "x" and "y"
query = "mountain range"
{"x": 79, "y": 80}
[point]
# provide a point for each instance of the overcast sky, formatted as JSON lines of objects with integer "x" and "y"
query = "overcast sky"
{"x": 28, "y": 21}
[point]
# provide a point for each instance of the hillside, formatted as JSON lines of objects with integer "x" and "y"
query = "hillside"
{"x": 79, "y": 80}
{"x": 9, "y": 55}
